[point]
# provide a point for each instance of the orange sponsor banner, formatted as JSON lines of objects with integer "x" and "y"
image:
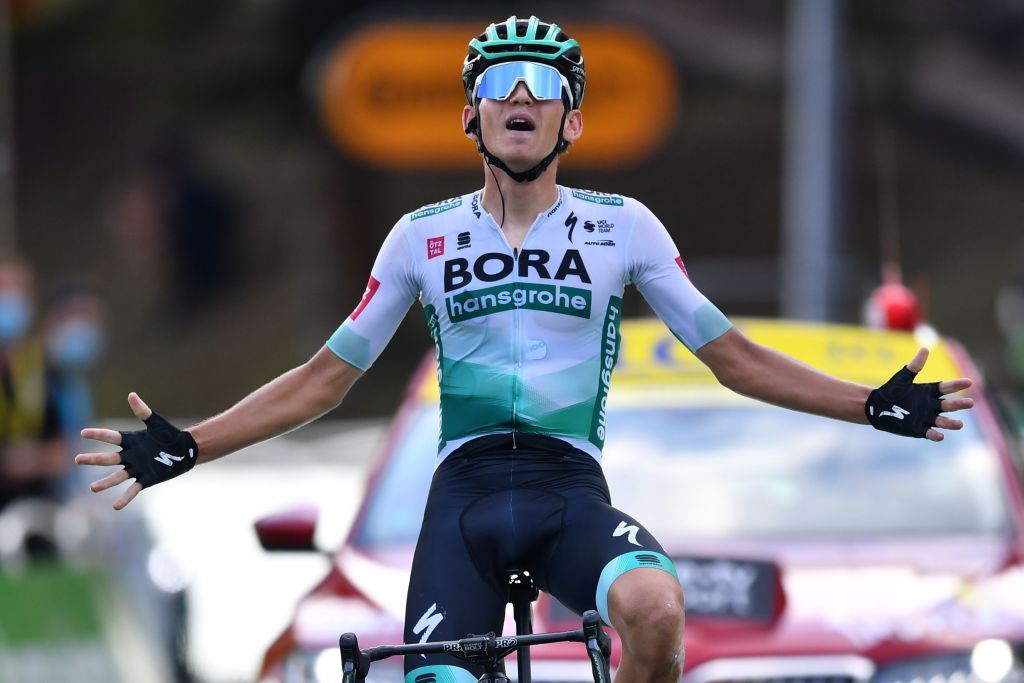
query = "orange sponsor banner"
{"x": 391, "y": 95}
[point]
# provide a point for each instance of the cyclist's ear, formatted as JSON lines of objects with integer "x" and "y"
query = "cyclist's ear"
{"x": 473, "y": 127}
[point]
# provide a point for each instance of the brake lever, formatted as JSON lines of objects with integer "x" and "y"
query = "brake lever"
{"x": 599, "y": 646}
{"x": 354, "y": 664}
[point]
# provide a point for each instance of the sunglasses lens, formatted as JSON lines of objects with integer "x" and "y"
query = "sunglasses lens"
{"x": 499, "y": 81}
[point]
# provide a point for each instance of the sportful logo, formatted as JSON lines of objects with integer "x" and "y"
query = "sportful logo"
{"x": 435, "y": 247}
{"x": 166, "y": 458}
{"x": 628, "y": 530}
{"x": 463, "y": 240}
{"x": 571, "y": 221}
{"x": 371, "y": 289}
{"x": 598, "y": 197}
{"x": 434, "y": 209}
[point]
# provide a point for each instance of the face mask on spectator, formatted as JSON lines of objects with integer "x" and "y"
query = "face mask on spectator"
{"x": 15, "y": 315}
{"x": 75, "y": 345}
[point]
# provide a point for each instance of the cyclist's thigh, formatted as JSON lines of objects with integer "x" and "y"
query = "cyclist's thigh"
{"x": 598, "y": 544}
{"x": 448, "y": 598}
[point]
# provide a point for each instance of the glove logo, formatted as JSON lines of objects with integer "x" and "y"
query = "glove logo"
{"x": 166, "y": 458}
{"x": 897, "y": 412}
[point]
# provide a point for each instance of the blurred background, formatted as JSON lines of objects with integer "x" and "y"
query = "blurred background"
{"x": 192, "y": 194}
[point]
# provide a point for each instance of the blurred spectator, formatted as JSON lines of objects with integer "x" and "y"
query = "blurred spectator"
{"x": 174, "y": 225}
{"x": 74, "y": 337}
{"x": 33, "y": 453}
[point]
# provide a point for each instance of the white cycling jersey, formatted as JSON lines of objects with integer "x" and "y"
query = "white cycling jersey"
{"x": 527, "y": 338}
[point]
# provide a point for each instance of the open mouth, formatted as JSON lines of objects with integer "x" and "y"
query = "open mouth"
{"x": 519, "y": 123}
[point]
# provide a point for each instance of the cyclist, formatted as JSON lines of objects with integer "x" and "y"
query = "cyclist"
{"x": 521, "y": 284}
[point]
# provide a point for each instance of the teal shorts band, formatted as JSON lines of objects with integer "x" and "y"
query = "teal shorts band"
{"x": 439, "y": 673}
{"x": 619, "y": 566}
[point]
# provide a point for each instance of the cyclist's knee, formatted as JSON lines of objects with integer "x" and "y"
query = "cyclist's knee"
{"x": 646, "y": 608}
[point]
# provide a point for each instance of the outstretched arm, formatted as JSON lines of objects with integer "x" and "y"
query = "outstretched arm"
{"x": 289, "y": 401}
{"x": 763, "y": 373}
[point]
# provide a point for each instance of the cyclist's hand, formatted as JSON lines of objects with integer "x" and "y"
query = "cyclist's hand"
{"x": 901, "y": 407}
{"x": 152, "y": 455}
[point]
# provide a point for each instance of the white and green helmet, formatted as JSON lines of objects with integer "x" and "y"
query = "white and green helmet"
{"x": 526, "y": 40}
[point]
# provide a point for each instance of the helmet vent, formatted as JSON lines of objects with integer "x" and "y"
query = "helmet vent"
{"x": 533, "y": 47}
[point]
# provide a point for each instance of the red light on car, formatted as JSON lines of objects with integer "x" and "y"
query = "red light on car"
{"x": 893, "y": 307}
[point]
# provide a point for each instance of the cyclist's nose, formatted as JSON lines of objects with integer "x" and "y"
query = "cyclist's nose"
{"x": 521, "y": 95}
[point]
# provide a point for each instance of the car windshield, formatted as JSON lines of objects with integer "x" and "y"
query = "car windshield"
{"x": 747, "y": 471}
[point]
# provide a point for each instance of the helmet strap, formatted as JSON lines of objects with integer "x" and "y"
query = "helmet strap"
{"x": 531, "y": 174}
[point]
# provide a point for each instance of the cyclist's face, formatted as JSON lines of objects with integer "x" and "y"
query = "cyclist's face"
{"x": 521, "y": 130}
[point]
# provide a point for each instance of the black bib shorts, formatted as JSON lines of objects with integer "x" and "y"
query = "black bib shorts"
{"x": 537, "y": 504}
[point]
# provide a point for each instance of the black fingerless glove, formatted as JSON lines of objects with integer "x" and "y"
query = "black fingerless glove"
{"x": 157, "y": 453}
{"x": 901, "y": 407}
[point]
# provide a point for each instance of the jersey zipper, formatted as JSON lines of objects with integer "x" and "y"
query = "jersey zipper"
{"x": 517, "y": 351}
{"x": 518, "y": 341}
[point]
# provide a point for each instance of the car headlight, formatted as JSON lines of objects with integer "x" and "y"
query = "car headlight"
{"x": 990, "y": 661}
{"x": 324, "y": 666}
{"x": 994, "y": 661}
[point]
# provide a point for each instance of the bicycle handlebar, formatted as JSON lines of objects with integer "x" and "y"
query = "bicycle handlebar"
{"x": 487, "y": 649}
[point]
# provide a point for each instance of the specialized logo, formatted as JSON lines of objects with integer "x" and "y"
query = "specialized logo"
{"x": 571, "y": 221}
{"x": 679, "y": 262}
{"x": 463, "y": 240}
{"x": 428, "y": 622}
{"x": 628, "y": 530}
{"x": 435, "y": 246}
{"x": 598, "y": 197}
{"x": 439, "y": 207}
{"x": 371, "y": 288}
{"x": 167, "y": 458}
{"x": 495, "y": 266}
{"x": 897, "y": 412}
